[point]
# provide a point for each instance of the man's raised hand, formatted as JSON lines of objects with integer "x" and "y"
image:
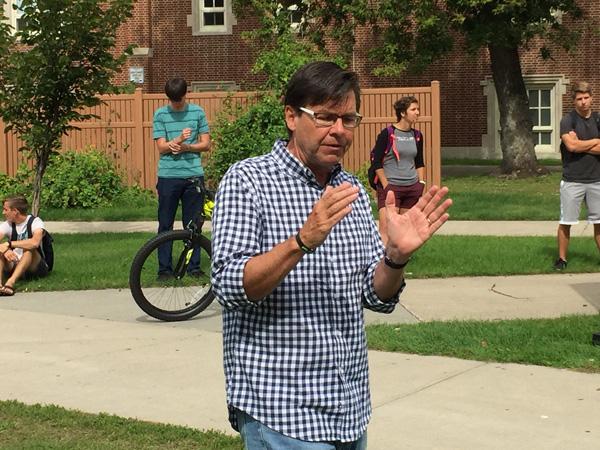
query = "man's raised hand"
{"x": 330, "y": 209}
{"x": 409, "y": 231}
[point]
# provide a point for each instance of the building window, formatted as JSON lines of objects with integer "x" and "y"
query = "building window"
{"x": 14, "y": 13}
{"x": 211, "y": 17}
{"x": 210, "y": 86}
{"x": 213, "y": 13}
{"x": 295, "y": 12}
{"x": 545, "y": 107}
{"x": 540, "y": 110}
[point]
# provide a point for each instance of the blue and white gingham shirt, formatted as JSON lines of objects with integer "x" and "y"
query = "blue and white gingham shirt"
{"x": 297, "y": 360}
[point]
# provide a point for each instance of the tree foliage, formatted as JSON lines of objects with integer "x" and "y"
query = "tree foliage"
{"x": 58, "y": 61}
{"x": 241, "y": 133}
{"x": 409, "y": 35}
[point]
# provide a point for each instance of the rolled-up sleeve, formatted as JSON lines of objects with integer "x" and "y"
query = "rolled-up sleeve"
{"x": 370, "y": 300}
{"x": 236, "y": 239}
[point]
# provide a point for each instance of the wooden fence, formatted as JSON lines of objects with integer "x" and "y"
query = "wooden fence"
{"x": 124, "y": 129}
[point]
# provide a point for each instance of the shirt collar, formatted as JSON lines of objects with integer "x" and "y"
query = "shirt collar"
{"x": 295, "y": 167}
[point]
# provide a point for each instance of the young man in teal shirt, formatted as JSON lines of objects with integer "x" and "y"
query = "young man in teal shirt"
{"x": 180, "y": 131}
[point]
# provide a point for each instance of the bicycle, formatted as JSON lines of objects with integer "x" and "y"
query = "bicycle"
{"x": 181, "y": 296}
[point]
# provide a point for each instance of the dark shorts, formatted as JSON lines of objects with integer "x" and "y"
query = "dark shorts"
{"x": 406, "y": 196}
{"x": 40, "y": 271}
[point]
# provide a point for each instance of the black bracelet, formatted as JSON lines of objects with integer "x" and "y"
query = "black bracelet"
{"x": 10, "y": 245}
{"x": 302, "y": 246}
{"x": 388, "y": 262}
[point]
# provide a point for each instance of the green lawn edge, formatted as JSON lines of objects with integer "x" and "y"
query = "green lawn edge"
{"x": 53, "y": 427}
{"x": 564, "y": 342}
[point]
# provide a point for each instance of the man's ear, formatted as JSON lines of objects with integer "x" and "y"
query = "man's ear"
{"x": 290, "y": 117}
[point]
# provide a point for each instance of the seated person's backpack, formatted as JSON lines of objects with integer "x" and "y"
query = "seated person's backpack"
{"x": 46, "y": 249}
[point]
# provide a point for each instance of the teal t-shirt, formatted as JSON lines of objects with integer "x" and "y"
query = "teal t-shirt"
{"x": 169, "y": 124}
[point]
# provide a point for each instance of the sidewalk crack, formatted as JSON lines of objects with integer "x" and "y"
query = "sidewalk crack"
{"x": 430, "y": 385}
{"x": 412, "y": 313}
{"x": 506, "y": 295}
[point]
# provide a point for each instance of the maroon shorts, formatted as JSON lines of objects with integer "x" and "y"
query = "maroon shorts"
{"x": 406, "y": 196}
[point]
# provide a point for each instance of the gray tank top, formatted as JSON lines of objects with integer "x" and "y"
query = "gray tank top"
{"x": 402, "y": 171}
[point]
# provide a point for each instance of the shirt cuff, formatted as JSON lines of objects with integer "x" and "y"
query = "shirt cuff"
{"x": 372, "y": 301}
{"x": 228, "y": 284}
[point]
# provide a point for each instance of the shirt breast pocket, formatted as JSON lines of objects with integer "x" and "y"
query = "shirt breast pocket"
{"x": 354, "y": 243}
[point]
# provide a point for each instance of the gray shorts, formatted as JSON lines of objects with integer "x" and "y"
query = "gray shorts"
{"x": 571, "y": 196}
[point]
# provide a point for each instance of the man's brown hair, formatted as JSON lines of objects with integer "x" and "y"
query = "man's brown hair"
{"x": 581, "y": 87}
{"x": 18, "y": 202}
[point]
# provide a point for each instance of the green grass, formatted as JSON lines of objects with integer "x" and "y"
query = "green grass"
{"x": 497, "y": 198}
{"x": 565, "y": 342}
{"x": 475, "y": 198}
{"x": 51, "y": 427}
{"x": 106, "y": 213}
{"x": 451, "y": 256}
{"x": 139, "y": 210}
{"x": 131, "y": 205}
{"x": 490, "y": 162}
{"x": 91, "y": 261}
{"x": 102, "y": 260}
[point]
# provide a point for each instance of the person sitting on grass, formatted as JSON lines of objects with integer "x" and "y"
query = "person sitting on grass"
{"x": 19, "y": 257}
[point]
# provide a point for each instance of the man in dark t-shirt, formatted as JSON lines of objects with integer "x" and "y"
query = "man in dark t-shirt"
{"x": 580, "y": 152}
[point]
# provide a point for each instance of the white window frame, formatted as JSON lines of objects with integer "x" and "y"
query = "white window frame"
{"x": 12, "y": 14}
{"x": 552, "y": 128}
{"x": 212, "y": 86}
{"x": 557, "y": 84}
{"x": 291, "y": 8}
{"x": 196, "y": 19}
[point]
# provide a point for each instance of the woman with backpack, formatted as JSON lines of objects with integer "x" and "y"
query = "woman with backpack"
{"x": 397, "y": 161}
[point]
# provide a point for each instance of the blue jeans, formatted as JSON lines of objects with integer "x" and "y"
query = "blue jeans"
{"x": 257, "y": 436}
{"x": 170, "y": 192}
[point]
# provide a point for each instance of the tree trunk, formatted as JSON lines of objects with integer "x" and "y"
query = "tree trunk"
{"x": 40, "y": 169}
{"x": 516, "y": 138}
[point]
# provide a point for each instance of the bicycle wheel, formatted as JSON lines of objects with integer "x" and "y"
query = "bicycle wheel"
{"x": 181, "y": 296}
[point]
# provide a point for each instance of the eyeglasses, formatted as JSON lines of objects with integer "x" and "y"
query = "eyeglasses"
{"x": 326, "y": 119}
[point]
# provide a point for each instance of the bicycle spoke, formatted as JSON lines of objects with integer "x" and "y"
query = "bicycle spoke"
{"x": 183, "y": 294}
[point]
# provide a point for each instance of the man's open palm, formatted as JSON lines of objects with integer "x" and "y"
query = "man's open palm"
{"x": 409, "y": 231}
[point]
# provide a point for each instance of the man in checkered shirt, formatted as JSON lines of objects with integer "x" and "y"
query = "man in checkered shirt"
{"x": 296, "y": 256}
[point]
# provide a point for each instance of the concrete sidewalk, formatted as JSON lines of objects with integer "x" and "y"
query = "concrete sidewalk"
{"x": 96, "y": 351}
{"x": 475, "y": 228}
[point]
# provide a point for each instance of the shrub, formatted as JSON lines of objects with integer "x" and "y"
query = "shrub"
{"x": 135, "y": 195}
{"x": 252, "y": 133}
{"x": 7, "y": 185}
{"x": 363, "y": 176}
{"x": 81, "y": 180}
{"x": 17, "y": 185}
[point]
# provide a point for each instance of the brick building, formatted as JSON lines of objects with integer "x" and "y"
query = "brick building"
{"x": 201, "y": 40}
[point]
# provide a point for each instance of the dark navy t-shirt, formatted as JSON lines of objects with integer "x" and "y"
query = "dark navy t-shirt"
{"x": 580, "y": 167}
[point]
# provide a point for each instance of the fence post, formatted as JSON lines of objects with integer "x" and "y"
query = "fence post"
{"x": 3, "y": 149}
{"x": 138, "y": 138}
{"x": 436, "y": 141}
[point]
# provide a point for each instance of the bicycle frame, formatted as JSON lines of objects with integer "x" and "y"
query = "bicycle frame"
{"x": 194, "y": 226}
{"x": 195, "y": 229}
{"x": 180, "y": 295}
